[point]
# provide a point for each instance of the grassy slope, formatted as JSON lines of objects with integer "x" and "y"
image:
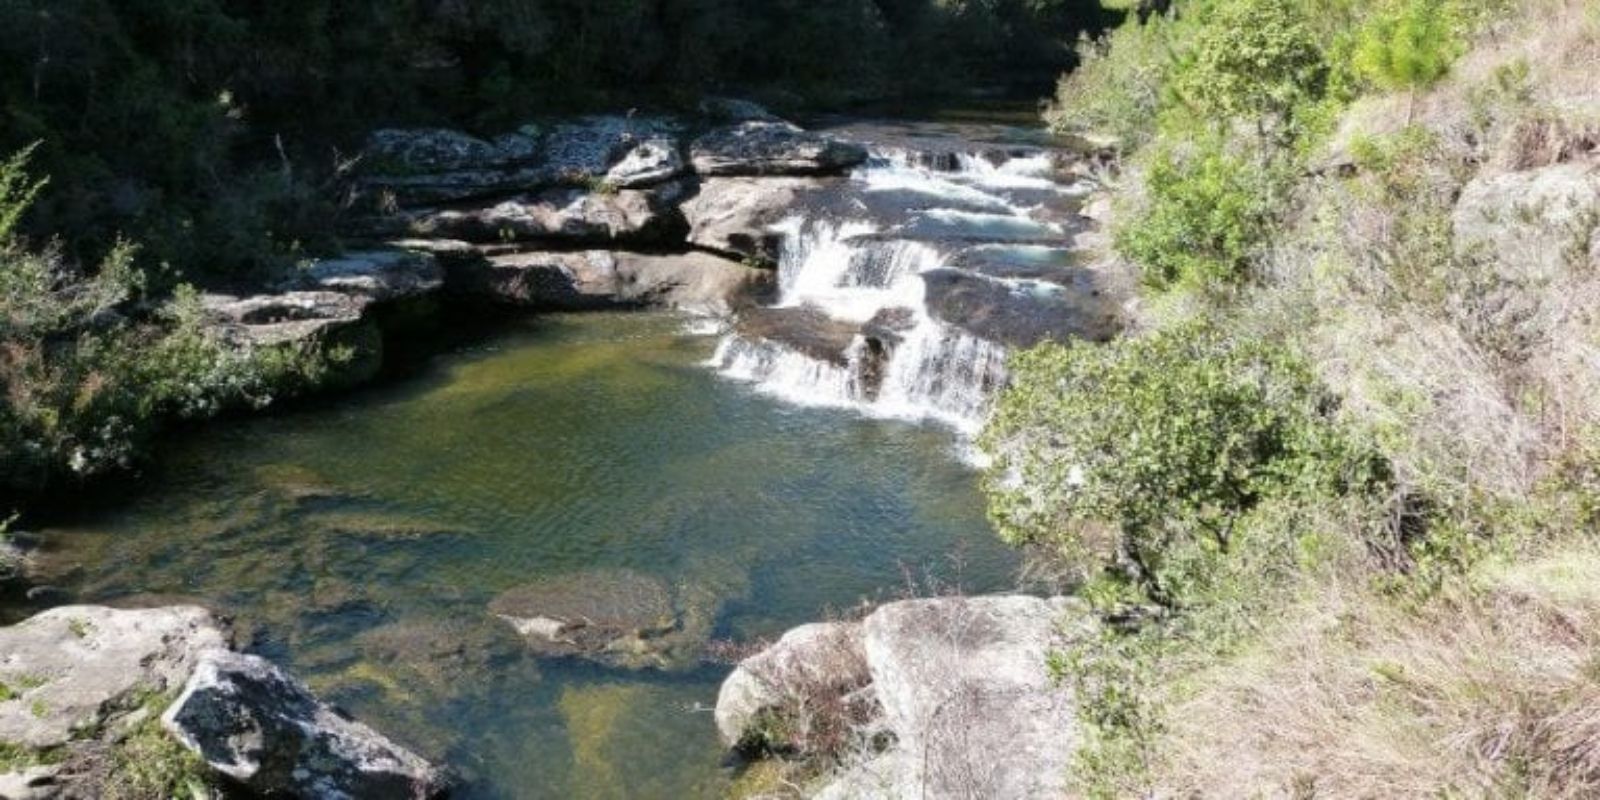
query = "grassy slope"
{"x": 1464, "y": 662}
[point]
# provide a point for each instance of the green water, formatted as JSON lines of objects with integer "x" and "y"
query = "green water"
{"x": 360, "y": 544}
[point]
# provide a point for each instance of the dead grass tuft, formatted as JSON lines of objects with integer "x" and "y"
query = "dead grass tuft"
{"x": 1492, "y": 690}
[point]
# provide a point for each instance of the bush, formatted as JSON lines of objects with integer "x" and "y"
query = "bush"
{"x": 1141, "y": 458}
{"x": 85, "y": 380}
{"x": 1253, "y": 60}
{"x": 1205, "y": 213}
{"x": 1118, "y": 86}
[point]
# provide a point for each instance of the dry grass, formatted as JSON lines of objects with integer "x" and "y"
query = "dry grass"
{"x": 1489, "y": 691}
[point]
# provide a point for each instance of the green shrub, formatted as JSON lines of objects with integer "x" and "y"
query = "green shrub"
{"x": 1139, "y": 459}
{"x": 85, "y": 379}
{"x": 1118, "y": 86}
{"x": 1409, "y": 45}
{"x": 1206, "y": 212}
{"x": 1252, "y": 60}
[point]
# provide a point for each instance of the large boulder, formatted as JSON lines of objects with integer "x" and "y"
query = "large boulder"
{"x": 615, "y": 617}
{"x": 1019, "y": 313}
{"x": 960, "y": 686}
{"x": 763, "y": 147}
{"x": 697, "y": 282}
{"x": 1533, "y": 225}
{"x": 965, "y": 687}
{"x": 811, "y": 678}
{"x": 68, "y": 671}
{"x": 571, "y": 216}
{"x": 253, "y": 722}
{"x": 735, "y": 216}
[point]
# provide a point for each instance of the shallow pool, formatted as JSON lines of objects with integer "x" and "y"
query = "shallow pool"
{"x": 361, "y": 543}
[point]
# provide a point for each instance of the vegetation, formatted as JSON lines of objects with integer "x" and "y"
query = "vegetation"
{"x": 86, "y": 373}
{"x": 1349, "y": 455}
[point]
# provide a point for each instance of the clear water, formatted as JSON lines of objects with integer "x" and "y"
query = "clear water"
{"x": 360, "y": 544}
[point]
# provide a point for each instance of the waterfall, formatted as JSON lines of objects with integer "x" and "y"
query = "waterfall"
{"x": 864, "y": 335}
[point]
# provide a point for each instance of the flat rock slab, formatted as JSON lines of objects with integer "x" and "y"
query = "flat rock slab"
{"x": 71, "y": 669}
{"x": 772, "y": 148}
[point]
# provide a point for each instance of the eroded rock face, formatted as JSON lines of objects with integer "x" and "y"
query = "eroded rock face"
{"x": 734, "y": 216}
{"x": 697, "y": 282}
{"x": 259, "y": 726}
{"x": 615, "y": 617}
{"x": 772, "y": 148}
{"x": 74, "y": 668}
{"x": 568, "y": 216}
{"x": 960, "y": 685}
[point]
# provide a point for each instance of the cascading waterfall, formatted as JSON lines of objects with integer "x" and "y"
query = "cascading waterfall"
{"x": 864, "y": 274}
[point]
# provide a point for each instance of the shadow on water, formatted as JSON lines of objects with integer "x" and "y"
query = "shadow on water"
{"x": 361, "y": 540}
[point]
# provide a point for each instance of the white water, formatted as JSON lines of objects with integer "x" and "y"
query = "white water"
{"x": 853, "y": 269}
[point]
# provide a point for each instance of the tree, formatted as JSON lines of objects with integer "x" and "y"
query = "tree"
{"x": 1253, "y": 60}
{"x": 1408, "y": 47}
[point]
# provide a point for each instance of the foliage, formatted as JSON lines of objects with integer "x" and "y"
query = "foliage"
{"x": 1167, "y": 440}
{"x": 84, "y": 380}
{"x": 1118, "y": 85}
{"x": 1409, "y": 45}
{"x": 1205, "y": 213}
{"x": 1252, "y": 60}
{"x": 148, "y": 764}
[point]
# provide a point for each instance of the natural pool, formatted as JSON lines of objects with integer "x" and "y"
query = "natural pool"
{"x": 361, "y": 543}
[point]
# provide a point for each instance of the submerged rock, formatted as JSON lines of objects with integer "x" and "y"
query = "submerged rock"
{"x": 616, "y": 617}
{"x": 772, "y": 148}
{"x": 253, "y": 722}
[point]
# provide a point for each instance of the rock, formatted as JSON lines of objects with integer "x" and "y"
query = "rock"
{"x": 13, "y": 565}
{"x": 567, "y": 216}
{"x": 964, "y": 686}
{"x": 615, "y": 617}
{"x": 772, "y": 148}
{"x": 435, "y": 150}
{"x": 803, "y": 329}
{"x": 731, "y": 109}
{"x": 800, "y": 674}
{"x": 39, "y": 782}
{"x": 698, "y": 282}
{"x": 411, "y": 168}
{"x": 289, "y": 317}
{"x": 379, "y": 275}
{"x": 734, "y": 216}
{"x": 74, "y": 668}
{"x": 648, "y": 163}
{"x": 1020, "y": 313}
{"x": 1533, "y": 225}
{"x": 961, "y": 687}
{"x": 253, "y": 722}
